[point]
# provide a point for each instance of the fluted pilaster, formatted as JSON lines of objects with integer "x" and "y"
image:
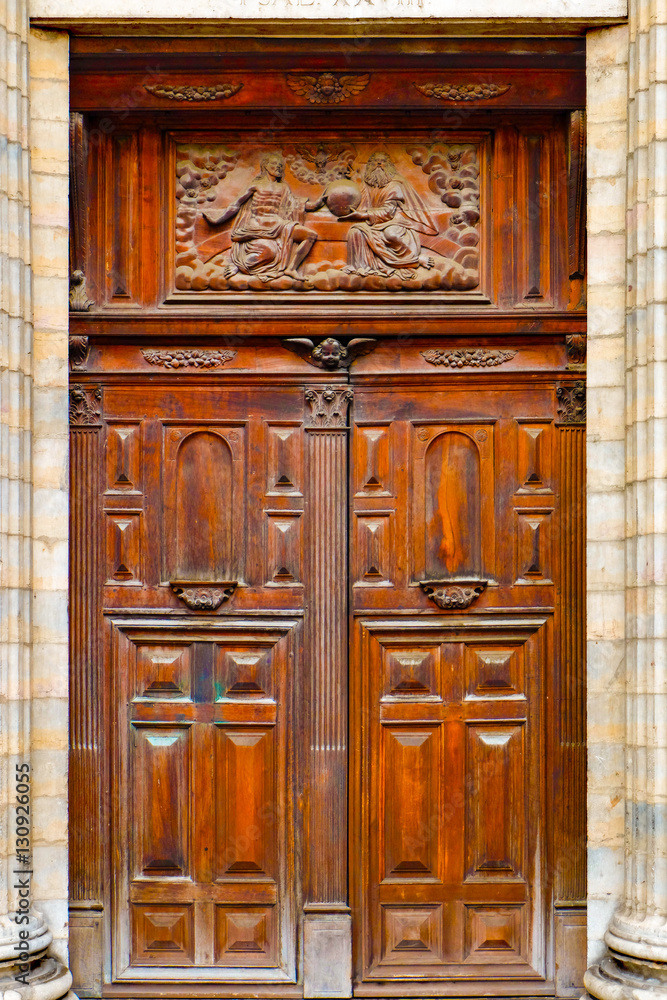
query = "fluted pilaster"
{"x": 27, "y": 969}
{"x": 636, "y": 965}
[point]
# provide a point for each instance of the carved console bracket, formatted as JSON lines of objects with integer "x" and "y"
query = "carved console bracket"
{"x": 78, "y": 299}
{"x": 576, "y": 352}
{"x": 463, "y": 91}
{"x": 475, "y": 358}
{"x": 203, "y": 596}
{"x": 448, "y": 595}
{"x": 85, "y": 406}
{"x": 188, "y": 359}
{"x": 330, "y": 354}
{"x": 328, "y": 88}
{"x": 571, "y": 403}
{"x": 79, "y": 349}
{"x": 216, "y": 92}
{"x": 328, "y": 407}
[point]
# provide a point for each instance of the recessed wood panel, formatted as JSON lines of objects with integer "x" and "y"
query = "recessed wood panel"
{"x": 161, "y": 769}
{"x": 124, "y": 458}
{"x": 372, "y": 461}
{"x": 411, "y": 802}
{"x": 204, "y": 508}
{"x": 124, "y": 547}
{"x": 495, "y": 934}
{"x": 534, "y": 457}
{"x": 495, "y": 800}
{"x": 284, "y": 460}
{"x": 246, "y": 804}
{"x": 162, "y": 935}
{"x": 163, "y": 671}
{"x": 534, "y": 546}
{"x": 245, "y": 936}
{"x": 412, "y": 934}
{"x": 283, "y": 548}
{"x": 243, "y": 671}
{"x": 411, "y": 672}
{"x": 494, "y": 671}
{"x": 374, "y": 549}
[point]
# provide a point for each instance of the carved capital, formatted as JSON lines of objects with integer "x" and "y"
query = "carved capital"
{"x": 176, "y": 92}
{"x": 475, "y": 358}
{"x": 463, "y": 91}
{"x": 328, "y": 406}
{"x": 450, "y": 596}
{"x": 78, "y": 299}
{"x": 85, "y": 406}
{"x": 330, "y": 354}
{"x": 203, "y": 596}
{"x": 188, "y": 358}
{"x": 328, "y": 88}
{"x": 571, "y": 403}
{"x": 79, "y": 349}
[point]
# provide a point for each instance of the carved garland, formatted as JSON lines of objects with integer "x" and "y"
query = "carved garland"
{"x": 85, "y": 406}
{"x": 188, "y": 359}
{"x": 478, "y": 358}
{"x": 463, "y": 91}
{"x": 328, "y": 88}
{"x": 450, "y": 596}
{"x": 174, "y": 92}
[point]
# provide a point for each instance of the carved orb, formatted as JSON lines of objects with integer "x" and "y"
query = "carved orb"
{"x": 342, "y": 197}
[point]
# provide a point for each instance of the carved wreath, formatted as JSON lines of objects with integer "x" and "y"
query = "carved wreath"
{"x": 463, "y": 91}
{"x": 478, "y": 358}
{"x": 328, "y": 88}
{"x": 188, "y": 359}
{"x": 216, "y": 92}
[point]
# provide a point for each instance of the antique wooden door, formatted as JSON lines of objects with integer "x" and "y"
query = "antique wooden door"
{"x": 327, "y": 413}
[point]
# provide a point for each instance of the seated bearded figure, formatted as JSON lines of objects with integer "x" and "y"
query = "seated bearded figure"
{"x": 388, "y": 219}
{"x": 268, "y": 238}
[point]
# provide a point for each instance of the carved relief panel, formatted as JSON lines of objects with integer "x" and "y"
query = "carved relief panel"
{"x": 327, "y": 216}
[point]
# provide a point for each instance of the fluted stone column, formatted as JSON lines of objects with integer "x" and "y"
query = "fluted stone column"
{"x": 635, "y": 967}
{"x": 31, "y": 965}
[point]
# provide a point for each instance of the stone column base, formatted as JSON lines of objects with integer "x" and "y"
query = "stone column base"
{"x": 611, "y": 980}
{"x": 327, "y": 951}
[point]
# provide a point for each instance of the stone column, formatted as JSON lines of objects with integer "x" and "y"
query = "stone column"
{"x": 635, "y": 967}
{"x": 29, "y": 968}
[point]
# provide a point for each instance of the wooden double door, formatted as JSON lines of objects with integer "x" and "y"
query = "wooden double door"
{"x": 339, "y": 623}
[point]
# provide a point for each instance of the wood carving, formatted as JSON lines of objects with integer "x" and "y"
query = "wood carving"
{"x": 478, "y": 357}
{"x": 450, "y": 596}
{"x": 79, "y": 349}
{"x": 572, "y": 403}
{"x": 328, "y": 88}
{"x": 85, "y": 405}
{"x": 403, "y": 218}
{"x": 328, "y": 406}
{"x": 576, "y": 351}
{"x": 78, "y": 299}
{"x": 203, "y": 596}
{"x": 188, "y": 358}
{"x": 175, "y": 92}
{"x": 330, "y": 354}
{"x": 463, "y": 91}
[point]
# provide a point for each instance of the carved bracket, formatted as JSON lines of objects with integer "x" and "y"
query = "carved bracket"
{"x": 448, "y": 595}
{"x": 476, "y": 358}
{"x": 330, "y": 354}
{"x": 203, "y": 596}
{"x": 463, "y": 91}
{"x": 328, "y": 406}
{"x": 79, "y": 349}
{"x": 328, "y": 88}
{"x": 78, "y": 299}
{"x": 571, "y": 403}
{"x": 85, "y": 406}
{"x": 175, "y": 92}
{"x": 575, "y": 344}
{"x": 188, "y": 359}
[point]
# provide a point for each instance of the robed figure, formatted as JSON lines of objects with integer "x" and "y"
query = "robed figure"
{"x": 388, "y": 220}
{"x": 268, "y": 238}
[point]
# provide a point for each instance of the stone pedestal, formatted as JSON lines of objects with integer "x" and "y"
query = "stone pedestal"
{"x": 636, "y": 965}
